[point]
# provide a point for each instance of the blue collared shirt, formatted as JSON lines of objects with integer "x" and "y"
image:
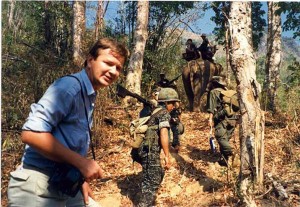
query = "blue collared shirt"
{"x": 61, "y": 112}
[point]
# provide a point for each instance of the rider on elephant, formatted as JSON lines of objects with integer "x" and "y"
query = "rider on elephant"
{"x": 205, "y": 49}
{"x": 191, "y": 51}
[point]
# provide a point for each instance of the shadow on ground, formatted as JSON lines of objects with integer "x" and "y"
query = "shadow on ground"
{"x": 209, "y": 184}
{"x": 131, "y": 187}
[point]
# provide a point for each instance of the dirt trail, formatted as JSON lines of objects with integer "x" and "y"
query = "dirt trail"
{"x": 195, "y": 179}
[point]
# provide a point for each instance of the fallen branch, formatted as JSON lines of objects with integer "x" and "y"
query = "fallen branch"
{"x": 261, "y": 196}
{"x": 111, "y": 151}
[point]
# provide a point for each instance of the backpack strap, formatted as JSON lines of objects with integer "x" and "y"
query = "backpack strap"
{"x": 155, "y": 114}
{"x": 219, "y": 97}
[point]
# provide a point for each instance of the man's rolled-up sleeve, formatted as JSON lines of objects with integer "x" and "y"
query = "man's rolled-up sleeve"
{"x": 49, "y": 111}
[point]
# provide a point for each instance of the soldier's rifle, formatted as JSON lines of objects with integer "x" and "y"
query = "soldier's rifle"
{"x": 123, "y": 92}
{"x": 173, "y": 80}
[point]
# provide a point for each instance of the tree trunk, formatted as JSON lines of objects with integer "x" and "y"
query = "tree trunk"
{"x": 251, "y": 130}
{"x": 134, "y": 76}
{"x": 273, "y": 58}
{"x": 227, "y": 54}
{"x": 12, "y": 4}
{"x": 47, "y": 24}
{"x": 99, "y": 19}
{"x": 123, "y": 17}
{"x": 78, "y": 31}
{"x": 133, "y": 10}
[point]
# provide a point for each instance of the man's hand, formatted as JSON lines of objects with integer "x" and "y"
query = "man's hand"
{"x": 87, "y": 192}
{"x": 167, "y": 162}
{"x": 91, "y": 170}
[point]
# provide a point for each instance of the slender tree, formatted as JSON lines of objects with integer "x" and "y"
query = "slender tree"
{"x": 78, "y": 30}
{"x": 47, "y": 23}
{"x": 273, "y": 58}
{"x": 243, "y": 64}
{"x": 12, "y": 4}
{"x": 99, "y": 19}
{"x": 133, "y": 79}
{"x": 99, "y": 24}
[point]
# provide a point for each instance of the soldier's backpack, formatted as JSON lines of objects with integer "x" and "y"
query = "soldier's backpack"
{"x": 230, "y": 101}
{"x": 138, "y": 129}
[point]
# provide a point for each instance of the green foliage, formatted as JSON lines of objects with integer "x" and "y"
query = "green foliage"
{"x": 161, "y": 8}
{"x": 258, "y": 23}
{"x": 163, "y": 47}
{"x": 166, "y": 59}
{"x": 29, "y": 63}
{"x": 260, "y": 69}
{"x": 161, "y": 15}
{"x": 293, "y": 16}
{"x": 222, "y": 10}
{"x": 294, "y": 77}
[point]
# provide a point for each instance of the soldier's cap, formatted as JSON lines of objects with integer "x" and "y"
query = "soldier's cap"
{"x": 219, "y": 79}
{"x": 167, "y": 95}
{"x": 203, "y": 35}
{"x": 162, "y": 74}
{"x": 189, "y": 40}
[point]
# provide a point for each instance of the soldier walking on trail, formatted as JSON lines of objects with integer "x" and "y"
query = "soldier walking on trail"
{"x": 157, "y": 138}
{"x": 218, "y": 119}
{"x": 163, "y": 82}
{"x": 176, "y": 125}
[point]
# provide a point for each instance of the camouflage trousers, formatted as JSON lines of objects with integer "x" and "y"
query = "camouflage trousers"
{"x": 176, "y": 136}
{"x": 153, "y": 174}
{"x": 177, "y": 130}
{"x": 223, "y": 133}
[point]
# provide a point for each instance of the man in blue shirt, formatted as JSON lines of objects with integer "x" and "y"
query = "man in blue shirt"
{"x": 56, "y": 133}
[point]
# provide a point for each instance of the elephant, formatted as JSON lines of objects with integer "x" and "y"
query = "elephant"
{"x": 196, "y": 75}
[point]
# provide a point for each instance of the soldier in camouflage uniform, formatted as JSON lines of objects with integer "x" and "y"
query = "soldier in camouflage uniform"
{"x": 157, "y": 138}
{"x": 217, "y": 115}
{"x": 176, "y": 126}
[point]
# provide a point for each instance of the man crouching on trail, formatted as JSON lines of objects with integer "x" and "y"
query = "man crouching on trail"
{"x": 157, "y": 138}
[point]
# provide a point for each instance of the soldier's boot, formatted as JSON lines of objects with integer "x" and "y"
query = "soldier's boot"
{"x": 223, "y": 161}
